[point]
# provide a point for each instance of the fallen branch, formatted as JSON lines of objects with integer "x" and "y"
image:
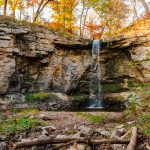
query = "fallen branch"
{"x": 133, "y": 140}
{"x": 108, "y": 141}
{"x": 37, "y": 142}
{"x": 62, "y": 146}
{"x": 125, "y": 135}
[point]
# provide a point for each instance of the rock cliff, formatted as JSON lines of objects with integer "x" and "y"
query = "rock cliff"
{"x": 34, "y": 58}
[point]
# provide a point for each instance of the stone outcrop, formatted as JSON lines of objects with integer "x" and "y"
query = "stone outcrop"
{"x": 35, "y": 59}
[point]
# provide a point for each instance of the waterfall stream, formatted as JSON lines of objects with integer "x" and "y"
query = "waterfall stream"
{"x": 95, "y": 79}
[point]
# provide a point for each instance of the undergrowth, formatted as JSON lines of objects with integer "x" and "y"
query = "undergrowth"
{"x": 16, "y": 124}
{"x": 11, "y": 122}
{"x": 138, "y": 107}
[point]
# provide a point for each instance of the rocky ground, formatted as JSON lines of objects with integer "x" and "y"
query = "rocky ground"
{"x": 93, "y": 125}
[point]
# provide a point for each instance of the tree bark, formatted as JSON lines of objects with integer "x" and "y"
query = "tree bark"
{"x": 135, "y": 11}
{"x": 14, "y": 13}
{"x": 5, "y": 7}
{"x": 133, "y": 140}
{"x": 37, "y": 12}
{"x": 37, "y": 142}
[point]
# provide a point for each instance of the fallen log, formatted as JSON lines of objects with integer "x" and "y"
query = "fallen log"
{"x": 133, "y": 139}
{"x": 37, "y": 142}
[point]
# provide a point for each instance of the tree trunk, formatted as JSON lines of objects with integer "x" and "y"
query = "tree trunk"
{"x": 14, "y": 13}
{"x": 135, "y": 11}
{"x": 83, "y": 27}
{"x": 33, "y": 13}
{"x": 5, "y": 7}
{"x": 20, "y": 14}
{"x": 81, "y": 19}
{"x": 37, "y": 12}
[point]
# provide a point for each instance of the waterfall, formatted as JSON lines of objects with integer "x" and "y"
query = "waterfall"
{"x": 95, "y": 79}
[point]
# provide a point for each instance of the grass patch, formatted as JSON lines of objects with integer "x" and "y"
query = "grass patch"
{"x": 79, "y": 98}
{"x": 112, "y": 88}
{"x": 92, "y": 118}
{"x": 31, "y": 97}
{"x": 22, "y": 121}
{"x": 13, "y": 124}
{"x": 131, "y": 65}
{"x": 29, "y": 112}
{"x": 79, "y": 113}
{"x": 148, "y": 55}
{"x": 96, "y": 118}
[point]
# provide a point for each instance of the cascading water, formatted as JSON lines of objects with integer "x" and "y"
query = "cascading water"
{"x": 95, "y": 80}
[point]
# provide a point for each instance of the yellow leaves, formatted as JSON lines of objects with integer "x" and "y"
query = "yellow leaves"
{"x": 63, "y": 14}
{"x": 1, "y": 3}
{"x": 14, "y": 4}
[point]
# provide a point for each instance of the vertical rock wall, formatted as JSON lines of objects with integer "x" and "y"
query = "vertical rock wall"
{"x": 34, "y": 59}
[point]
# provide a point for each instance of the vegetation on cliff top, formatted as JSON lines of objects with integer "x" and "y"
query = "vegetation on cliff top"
{"x": 87, "y": 18}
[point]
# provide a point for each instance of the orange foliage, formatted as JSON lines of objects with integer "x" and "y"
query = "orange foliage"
{"x": 96, "y": 30}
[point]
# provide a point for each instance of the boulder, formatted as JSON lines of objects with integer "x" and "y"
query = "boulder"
{"x": 85, "y": 130}
{"x": 106, "y": 133}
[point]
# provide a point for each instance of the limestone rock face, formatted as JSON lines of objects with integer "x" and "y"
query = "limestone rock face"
{"x": 36, "y": 59}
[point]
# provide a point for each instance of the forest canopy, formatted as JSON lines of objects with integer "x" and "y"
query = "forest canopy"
{"x": 86, "y": 18}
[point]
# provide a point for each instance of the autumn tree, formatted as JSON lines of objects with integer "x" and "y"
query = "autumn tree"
{"x": 112, "y": 14}
{"x": 15, "y": 4}
{"x": 63, "y": 14}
